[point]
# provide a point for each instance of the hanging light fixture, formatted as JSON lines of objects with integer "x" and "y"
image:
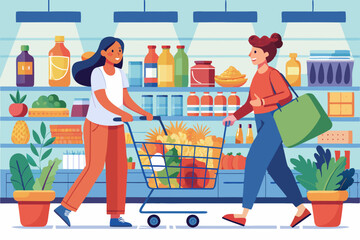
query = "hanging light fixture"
{"x": 226, "y": 16}
{"x": 145, "y": 16}
{"x": 48, "y": 16}
{"x": 314, "y": 16}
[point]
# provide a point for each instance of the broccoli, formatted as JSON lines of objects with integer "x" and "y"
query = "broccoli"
{"x": 36, "y": 104}
{"x": 62, "y": 104}
{"x": 57, "y": 104}
{"x": 43, "y": 99}
{"x": 53, "y": 98}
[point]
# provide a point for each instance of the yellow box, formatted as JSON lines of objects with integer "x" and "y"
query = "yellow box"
{"x": 334, "y": 97}
{"x": 347, "y": 97}
{"x": 347, "y": 110}
{"x": 334, "y": 110}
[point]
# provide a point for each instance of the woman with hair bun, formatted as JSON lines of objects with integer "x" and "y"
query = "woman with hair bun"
{"x": 268, "y": 88}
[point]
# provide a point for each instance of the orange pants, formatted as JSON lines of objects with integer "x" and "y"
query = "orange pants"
{"x": 103, "y": 144}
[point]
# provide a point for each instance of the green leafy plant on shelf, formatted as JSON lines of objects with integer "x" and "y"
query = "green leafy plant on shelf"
{"x": 44, "y": 141}
{"x": 327, "y": 181}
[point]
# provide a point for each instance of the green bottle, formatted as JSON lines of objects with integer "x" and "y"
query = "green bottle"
{"x": 181, "y": 67}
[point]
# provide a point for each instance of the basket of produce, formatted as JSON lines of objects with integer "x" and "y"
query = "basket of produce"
{"x": 50, "y": 106}
{"x": 231, "y": 78}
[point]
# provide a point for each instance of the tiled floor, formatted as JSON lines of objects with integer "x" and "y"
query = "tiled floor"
{"x": 265, "y": 220}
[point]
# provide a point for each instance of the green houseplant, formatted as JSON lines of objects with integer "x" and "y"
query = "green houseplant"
{"x": 326, "y": 181}
{"x": 130, "y": 163}
{"x": 33, "y": 195}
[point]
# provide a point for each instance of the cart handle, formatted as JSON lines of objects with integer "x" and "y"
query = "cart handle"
{"x": 143, "y": 118}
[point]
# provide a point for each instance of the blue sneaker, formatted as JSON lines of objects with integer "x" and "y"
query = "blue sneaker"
{"x": 63, "y": 213}
{"x": 119, "y": 222}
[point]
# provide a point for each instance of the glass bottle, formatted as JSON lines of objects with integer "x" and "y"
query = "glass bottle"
{"x": 59, "y": 64}
{"x": 233, "y": 103}
{"x": 166, "y": 68}
{"x": 150, "y": 68}
{"x": 293, "y": 71}
{"x": 220, "y": 105}
{"x": 249, "y": 135}
{"x": 206, "y": 105}
{"x": 24, "y": 68}
{"x": 181, "y": 67}
{"x": 193, "y": 105}
{"x": 239, "y": 138}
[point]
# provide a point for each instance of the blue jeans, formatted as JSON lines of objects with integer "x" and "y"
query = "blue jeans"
{"x": 267, "y": 153}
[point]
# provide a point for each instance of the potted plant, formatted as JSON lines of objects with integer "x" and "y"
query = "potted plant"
{"x": 130, "y": 163}
{"x": 34, "y": 196}
{"x": 326, "y": 181}
{"x": 18, "y": 108}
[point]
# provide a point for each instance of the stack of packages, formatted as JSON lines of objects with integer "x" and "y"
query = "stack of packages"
{"x": 66, "y": 134}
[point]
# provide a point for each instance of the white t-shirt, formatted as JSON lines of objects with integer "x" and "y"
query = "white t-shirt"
{"x": 114, "y": 86}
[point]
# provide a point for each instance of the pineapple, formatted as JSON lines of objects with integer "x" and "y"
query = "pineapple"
{"x": 152, "y": 136}
{"x": 20, "y": 133}
{"x": 197, "y": 133}
{"x": 177, "y": 128}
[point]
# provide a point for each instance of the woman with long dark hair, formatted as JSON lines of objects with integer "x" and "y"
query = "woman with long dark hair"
{"x": 104, "y": 139}
{"x": 268, "y": 88}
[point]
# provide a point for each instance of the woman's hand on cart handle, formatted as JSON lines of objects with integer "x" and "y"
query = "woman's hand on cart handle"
{"x": 127, "y": 118}
{"x": 149, "y": 116}
{"x": 231, "y": 119}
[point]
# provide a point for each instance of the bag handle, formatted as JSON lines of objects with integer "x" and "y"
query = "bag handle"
{"x": 292, "y": 89}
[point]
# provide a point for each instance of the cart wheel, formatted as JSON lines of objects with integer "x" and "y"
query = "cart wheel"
{"x": 153, "y": 221}
{"x": 192, "y": 221}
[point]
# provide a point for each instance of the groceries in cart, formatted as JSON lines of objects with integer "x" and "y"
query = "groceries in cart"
{"x": 184, "y": 158}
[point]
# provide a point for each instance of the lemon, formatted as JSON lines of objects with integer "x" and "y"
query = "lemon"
{"x": 59, "y": 67}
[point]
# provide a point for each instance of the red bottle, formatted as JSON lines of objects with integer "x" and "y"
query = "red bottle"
{"x": 233, "y": 103}
{"x": 150, "y": 68}
{"x": 220, "y": 105}
{"x": 206, "y": 105}
{"x": 193, "y": 105}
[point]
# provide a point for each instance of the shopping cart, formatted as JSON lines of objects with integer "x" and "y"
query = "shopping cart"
{"x": 177, "y": 167}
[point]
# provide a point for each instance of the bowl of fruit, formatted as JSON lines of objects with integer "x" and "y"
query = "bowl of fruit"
{"x": 231, "y": 78}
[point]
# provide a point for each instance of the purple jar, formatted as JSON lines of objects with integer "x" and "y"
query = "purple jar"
{"x": 24, "y": 68}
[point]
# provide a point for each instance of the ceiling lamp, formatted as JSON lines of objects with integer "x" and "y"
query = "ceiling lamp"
{"x": 219, "y": 16}
{"x": 145, "y": 16}
{"x": 48, "y": 16}
{"x": 314, "y": 16}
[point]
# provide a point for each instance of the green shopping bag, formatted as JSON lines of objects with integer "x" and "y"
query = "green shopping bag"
{"x": 301, "y": 119}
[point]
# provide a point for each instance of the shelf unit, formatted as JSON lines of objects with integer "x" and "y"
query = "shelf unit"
{"x": 173, "y": 89}
{"x": 226, "y": 145}
{"x": 165, "y": 118}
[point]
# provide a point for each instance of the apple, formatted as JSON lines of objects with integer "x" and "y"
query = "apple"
{"x": 18, "y": 109}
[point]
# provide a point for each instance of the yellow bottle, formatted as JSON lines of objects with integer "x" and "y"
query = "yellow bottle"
{"x": 239, "y": 135}
{"x": 249, "y": 135}
{"x": 166, "y": 68}
{"x": 293, "y": 71}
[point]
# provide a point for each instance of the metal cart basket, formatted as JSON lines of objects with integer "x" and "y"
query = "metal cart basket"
{"x": 177, "y": 167}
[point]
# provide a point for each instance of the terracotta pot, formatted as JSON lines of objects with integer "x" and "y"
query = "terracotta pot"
{"x": 131, "y": 165}
{"x": 327, "y": 207}
{"x": 34, "y": 207}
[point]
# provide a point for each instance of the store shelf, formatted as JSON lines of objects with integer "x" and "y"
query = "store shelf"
{"x": 227, "y": 145}
{"x": 168, "y": 118}
{"x": 175, "y": 89}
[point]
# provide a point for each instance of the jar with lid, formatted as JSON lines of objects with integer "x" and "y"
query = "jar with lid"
{"x": 80, "y": 107}
{"x": 203, "y": 74}
{"x": 206, "y": 105}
